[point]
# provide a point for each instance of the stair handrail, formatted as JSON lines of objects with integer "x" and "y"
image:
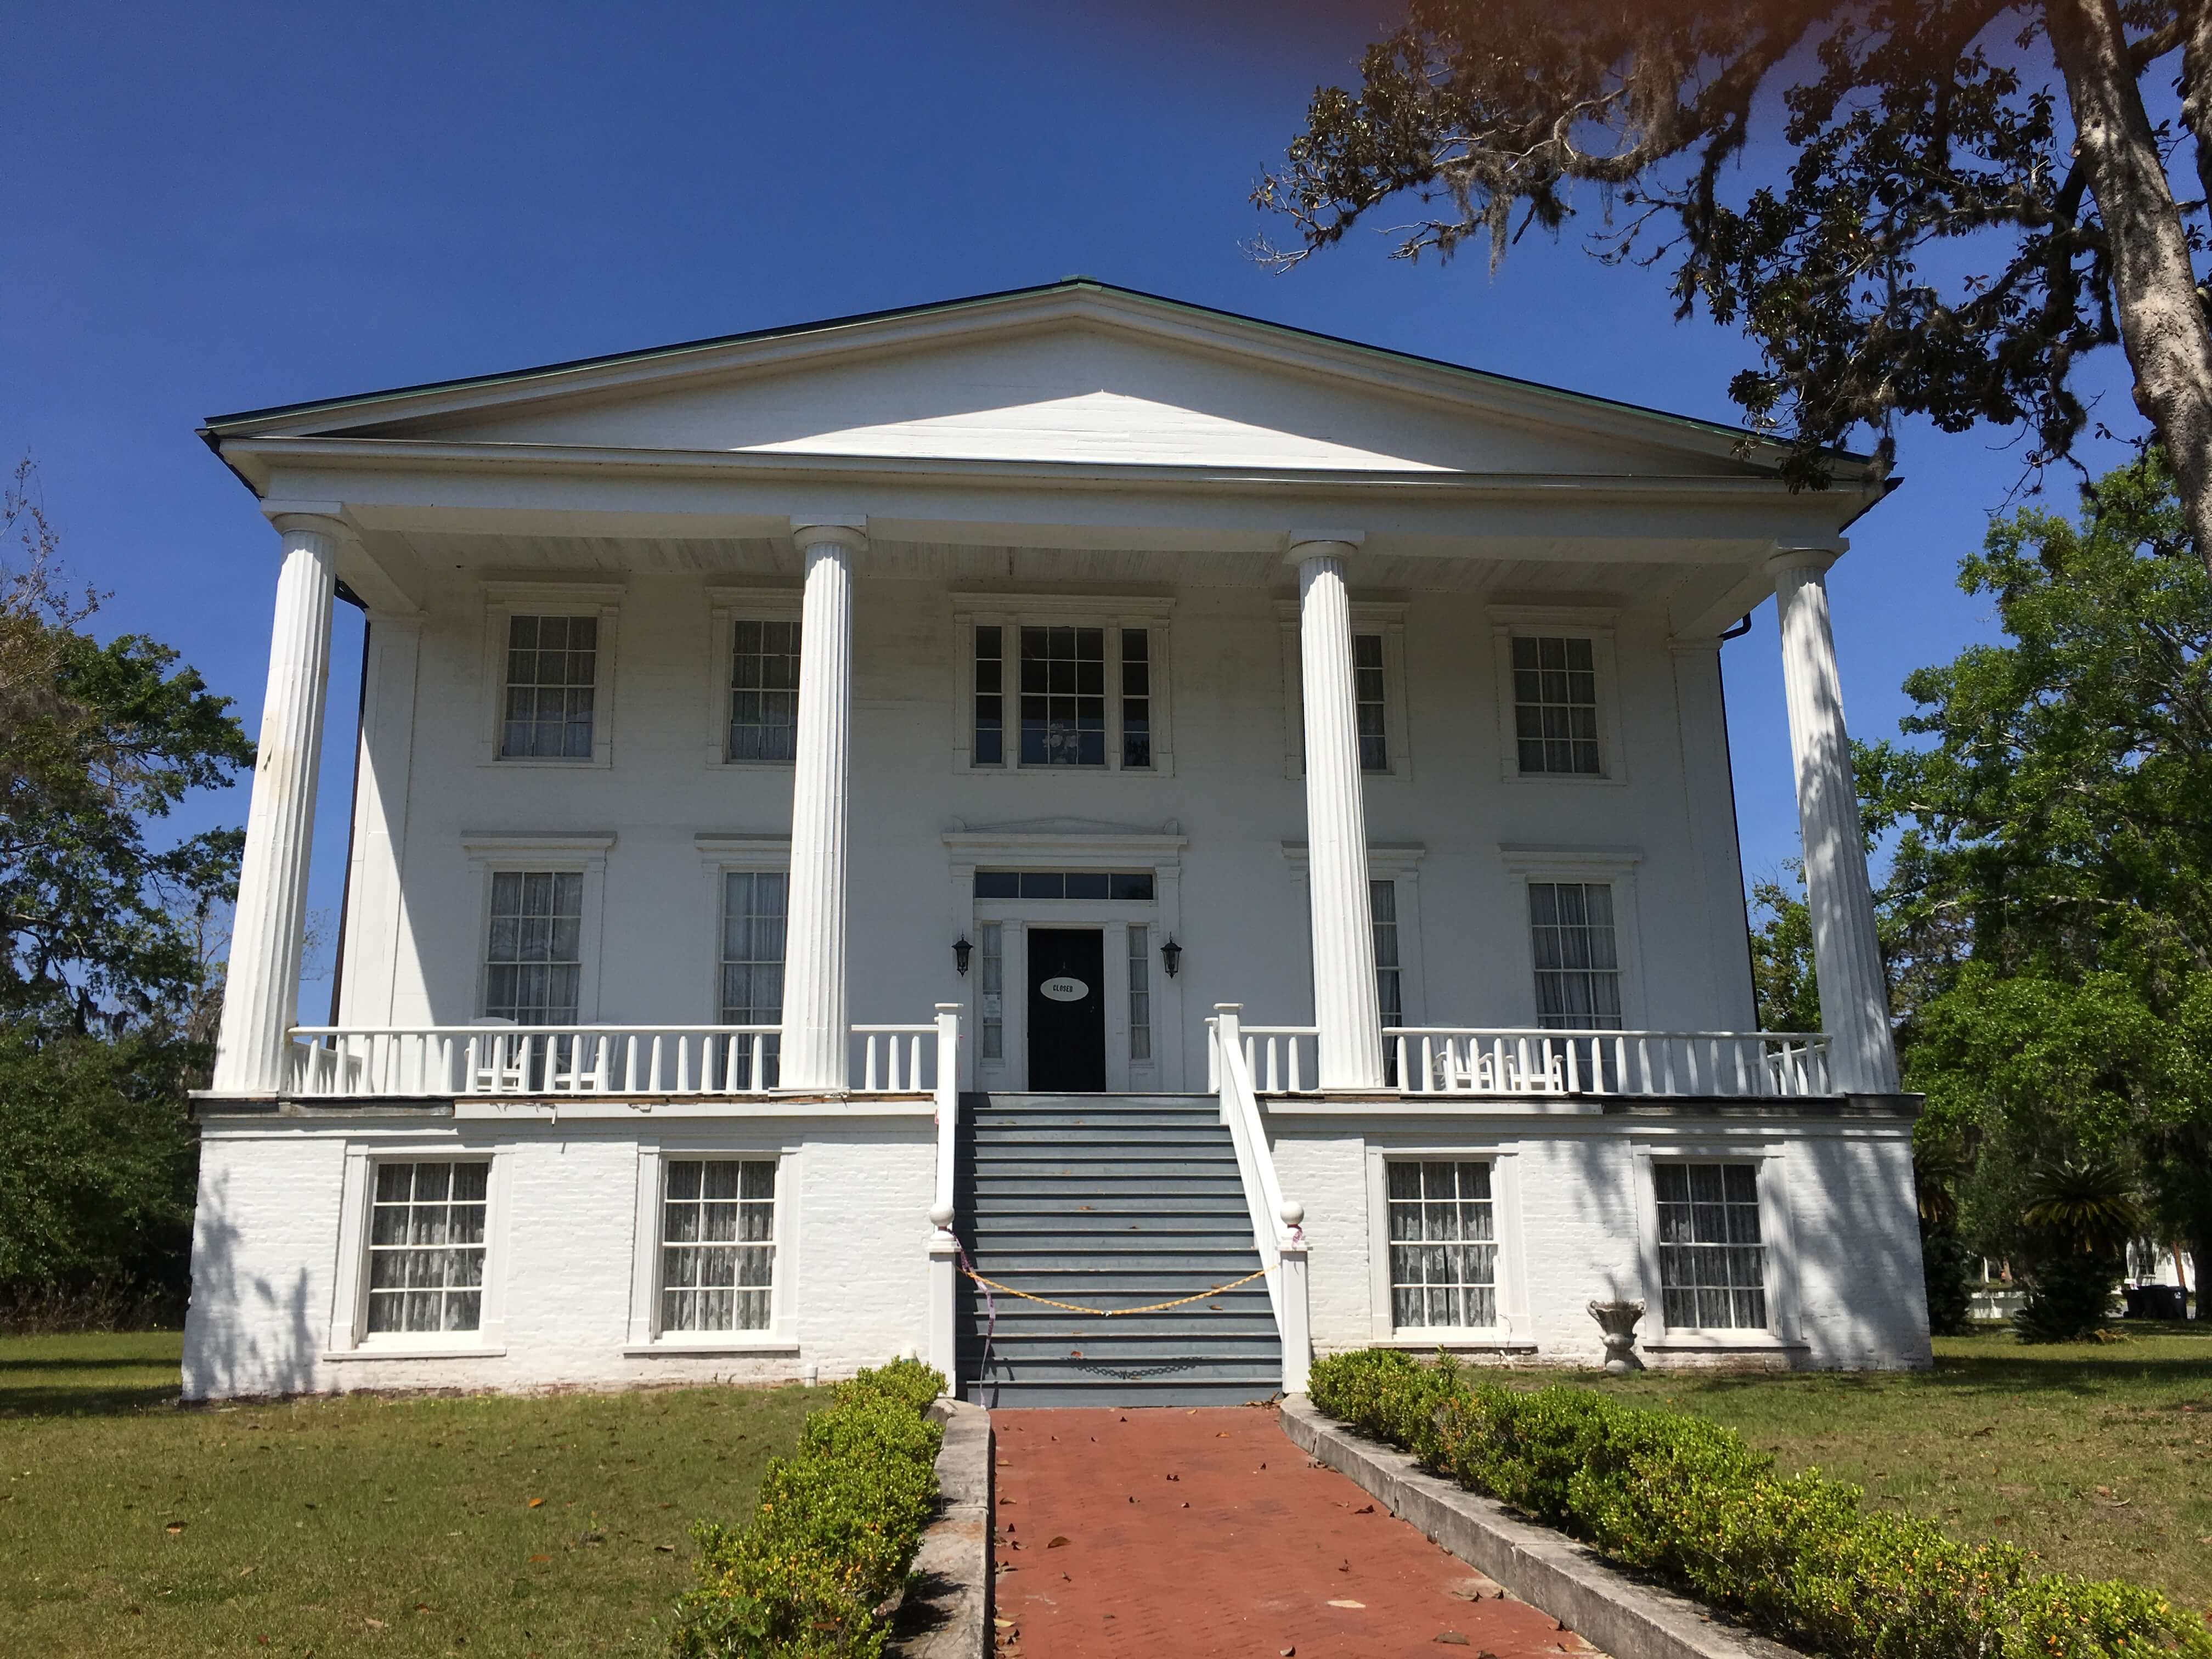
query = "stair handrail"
{"x": 1240, "y": 1110}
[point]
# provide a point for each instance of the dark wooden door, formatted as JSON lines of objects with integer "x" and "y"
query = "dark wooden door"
{"x": 1067, "y": 1010}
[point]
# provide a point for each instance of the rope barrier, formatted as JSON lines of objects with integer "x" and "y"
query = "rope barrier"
{"x": 1107, "y": 1313}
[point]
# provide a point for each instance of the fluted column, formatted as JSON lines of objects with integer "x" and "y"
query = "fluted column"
{"x": 262, "y": 985}
{"x": 1846, "y": 951}
{"x": 814, "y": 1049}
{"x": 1344, "y": 1006}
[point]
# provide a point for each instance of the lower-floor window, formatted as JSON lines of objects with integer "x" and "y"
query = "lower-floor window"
{"x": 1712, "y": 1262}
{"x": 717, "y": 1244}
{"x": 1443, "y": 1249}
{"x": 426, "y": 1247}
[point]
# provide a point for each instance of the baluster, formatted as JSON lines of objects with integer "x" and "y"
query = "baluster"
{"x": 1667, "y": 1055}
{"x": 1742, "y": 1083}
{"x": 1574, "y": 1068}
{"x": 1294, "y": 1044}
{"x": 683, "y": 1062}
{"x": 897, "y": 1081}
{"x": 868, "y": 1067}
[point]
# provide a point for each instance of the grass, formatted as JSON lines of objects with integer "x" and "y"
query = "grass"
{"x": 2096, "y": 1457}
{"x": 130, "y": 1525}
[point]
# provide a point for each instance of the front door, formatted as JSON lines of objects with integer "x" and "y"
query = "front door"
{"x": 1067, "y": 1009}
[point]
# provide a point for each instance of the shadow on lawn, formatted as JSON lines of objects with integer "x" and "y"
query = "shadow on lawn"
{"x": 58, "y": 1398}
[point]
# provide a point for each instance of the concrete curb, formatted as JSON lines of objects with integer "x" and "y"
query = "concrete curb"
{"x": 946, "y": 1613}
{"x": 1626, "y": 1616}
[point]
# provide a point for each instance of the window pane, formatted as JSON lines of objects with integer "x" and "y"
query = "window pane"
{"x": 1711, "y": 1263}
{"x": 1063, "y": 705}
{"x": 990, "y": 990}
{"x": 1577, "y": 959}
{"x": 1369, "y": 702}
{"x": 718, "y": 1230}
{"x": 990, "y": 747}
{"x": 551, "y": 669}
{"x": 1555, "y": 706}
{"x": 1443, "y": 1267}
{"x": 426, "y": 1246}
{"x": 534, "y": 954}
{"x": 753, "y": 917}
{"x": 1140, "y": 993}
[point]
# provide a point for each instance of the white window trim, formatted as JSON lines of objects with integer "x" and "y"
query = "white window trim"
{"x": 1393, "y": 861}
{"x": 1063, "y": 844}
{"x": 645, "y": 1337}
{"x": 348, "y": 1334}
{"x": 729, "y": 606}
{"x": 1368, "y": 617}
{"x": 1526, "y": 862}
{"x": 721, "y": 853}
{"x": 504, "y": 600}
{"x": 1515, "y": 1329}
{"x": 1511, "y": 622}
{"x": 1777, "y": 1234}
{"x": 495, "y": 852}
{"x": 1010, "y": 611}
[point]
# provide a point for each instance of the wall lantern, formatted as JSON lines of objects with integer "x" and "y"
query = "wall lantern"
{"x": 960, "y": 948}
{"x": 1172, "y": 956}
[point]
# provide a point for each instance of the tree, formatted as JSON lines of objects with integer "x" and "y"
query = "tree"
{"x": 1976, "y": 197}
{"x": 107, "y": 983}
{"x": 2048, "y": 914}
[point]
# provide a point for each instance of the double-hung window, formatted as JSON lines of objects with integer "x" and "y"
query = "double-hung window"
{"x": 1055, "y": 688}
{"x": 754, "y": 910}
{"x": 763, "y": 712}
{"x": 1389, "y": 974}
{"x": 534, "y": 959}
{"x": 1378, "y": 689}
{"x": 552, "y": 681}
{"x": 1712, "y": 1257}
{"x": 1555, "y": 725}
{"x": 1442, "y": 1244}
{"x": 1577, "y": 955}
{"x": 426, "y": 1246}
{"x": 717, "y": 1244}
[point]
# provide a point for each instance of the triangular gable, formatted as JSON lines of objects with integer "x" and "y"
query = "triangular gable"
{"x": 1075, "y": 372}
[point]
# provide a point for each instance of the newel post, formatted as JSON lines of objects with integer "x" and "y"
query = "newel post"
{"x": 1297, "y": 1310}
{"x": 944, "y": 1243}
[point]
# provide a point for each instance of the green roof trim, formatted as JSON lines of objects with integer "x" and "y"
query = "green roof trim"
{"x": 213, "y": 429}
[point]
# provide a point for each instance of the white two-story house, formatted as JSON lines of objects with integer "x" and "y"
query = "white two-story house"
{"x": 1063, "y": 794}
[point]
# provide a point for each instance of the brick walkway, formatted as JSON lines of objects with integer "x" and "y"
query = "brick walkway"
{"x": 1190, "y": 1534}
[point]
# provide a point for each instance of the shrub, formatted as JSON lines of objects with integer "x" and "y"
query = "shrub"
{"x": 836, "y": 1529}
{"x": 2069, "y": 1297}
{"x": 1950, "y": 1269}
{"x": 1792, "y": 1555}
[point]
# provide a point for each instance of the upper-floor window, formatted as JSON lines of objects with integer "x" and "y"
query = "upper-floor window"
{"x": 1378, "y": 689}
{"x": 755, "y": 908}
{"x": 763, "y": 689}
{"x": 534, "y": 959}
{"x": 1577, "y": 955}
{"x": 1059, "y": 688}
{"x": 552, "y": 678}
{"x": 1370, "y": 702}
{"x": 1389, "y": 974}
{"x": 1555, "y": 721}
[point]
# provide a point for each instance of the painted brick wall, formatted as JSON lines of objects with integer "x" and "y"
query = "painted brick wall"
{"x": 1570, "y": 1225}
{"x": 268, "y": 1244}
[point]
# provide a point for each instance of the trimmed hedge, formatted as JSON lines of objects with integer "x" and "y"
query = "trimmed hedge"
{"x": 1794, "y": 1556}
{"x": 838, "y": 1526}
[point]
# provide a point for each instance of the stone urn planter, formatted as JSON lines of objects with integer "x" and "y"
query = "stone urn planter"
{"x": 1618, "y": 1320}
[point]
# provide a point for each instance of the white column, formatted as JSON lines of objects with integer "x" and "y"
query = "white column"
{"x": 815, "y": 1039}
{"x": 262, "y": 985}
{"x": 1846, "y": 952}
{"x": 376, "y": 928}
{"x": 1344, "y": 1006}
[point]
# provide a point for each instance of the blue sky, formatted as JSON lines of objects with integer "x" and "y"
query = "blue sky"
{"x": 222, "y": 208}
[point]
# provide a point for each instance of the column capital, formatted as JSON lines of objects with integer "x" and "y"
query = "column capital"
{"x": 1303, "y": 545}
{"x": 850, "y": 533}
{"x": 1690, "y": 645}
{"x": 1815, "y": 556}
{"x": 320, "y": 518}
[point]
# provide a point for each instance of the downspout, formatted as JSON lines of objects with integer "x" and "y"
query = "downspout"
{"x": 353, "y": 805}
{"x": 1735, "y": 813}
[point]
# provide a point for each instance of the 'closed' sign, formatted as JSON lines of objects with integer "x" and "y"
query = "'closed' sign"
{"x": 1064, "y": 989}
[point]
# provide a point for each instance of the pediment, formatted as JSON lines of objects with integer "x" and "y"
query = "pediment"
{"x": 1076, "y": 374}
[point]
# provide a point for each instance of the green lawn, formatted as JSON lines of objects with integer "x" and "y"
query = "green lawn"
{"x": 2097, "y": 1457}
{"x": 129, "y": 1525}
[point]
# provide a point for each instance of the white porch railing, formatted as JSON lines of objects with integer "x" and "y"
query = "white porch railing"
{"x": 330, "y": 1062}
{"x": 1276, "y": 1232}
{"x": 1432, "y": 1060}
